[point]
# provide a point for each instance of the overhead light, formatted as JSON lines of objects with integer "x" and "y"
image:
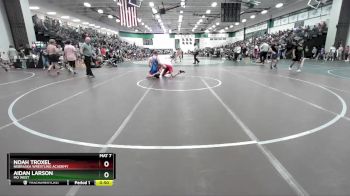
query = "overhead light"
{"x": 252, "y": 16}
{"x": 214, "y": 4}
{"x": 91, "y": 25}
{"x": 154, "y": 10}
{"x": 159, "y": 20}
{"x": 264, "y": 12}
{"x": 279, "y": 5}
{"x": 182, "y": 3}
{"x": 217, "y": 24}
{"x": 203, "y": 16}
{"x": 151, "y": 4}
{"x": 76, "y": 20}
{"x": 87, "y": 4}
{"x": 142, "y": 24}
{"x": 170, "y": 31}
{"x": 100, "y": 11}
{"x": 214, "y": 26}
{"x": 110, "y": 16}
{"x": 98, "y": 27}
{"x": 85, "y": 23}
{"x": 117, "y": 20}
{"x": 201, "y": 20}
{"x": 136, "y": 30}
{"x": 139, "y": 19}
{"x": 51, "y": 13}
{"x": 114, "y": 0}
{"x": 34, "y": 7}
{"x": 207, "y": 31}
{"x": 208, "y": 12}
{"x": 65, "y": 17}
{"x": 181, "y": 12}
{"x": 192, "y": 30}
{"x": 244, "y": 20}
{"x": 157, "y": 16}
{"x": 231, "y": 26}
{"x": 237, "y": 23}
{"x": 222, "y": 31}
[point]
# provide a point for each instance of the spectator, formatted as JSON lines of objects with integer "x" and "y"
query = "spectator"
{"x": 195, "y": 54}
{"x": 237, "y": 52}
{"x": 347, "y": 53}
{"x": 332, "y": 53}
{"x": 70, "y": 55}
{"x": 12, "y": 54}
{"x": 52, "y": 51}
{"x": 314, "y": 52}
{"x": 340, "y": 51}
{"x": 264, "y": 49}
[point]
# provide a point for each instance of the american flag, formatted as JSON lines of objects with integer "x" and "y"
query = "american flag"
{"x": 128, "y": 14}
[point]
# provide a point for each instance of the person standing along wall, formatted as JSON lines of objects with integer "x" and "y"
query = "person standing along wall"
{"x": 12, "y": 53}
{"x": 333, "y": 53}
{"x": 4, "y": 60}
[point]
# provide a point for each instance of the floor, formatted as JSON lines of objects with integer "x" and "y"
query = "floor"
{"x": 222, "y": 128}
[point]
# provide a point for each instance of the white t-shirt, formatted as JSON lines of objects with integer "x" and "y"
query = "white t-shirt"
{"x": 237, "y": 49}
{"x": 264, "y": 47}
{"x": 333, "y": 49}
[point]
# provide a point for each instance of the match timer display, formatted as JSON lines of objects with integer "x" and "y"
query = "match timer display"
{"x": 83, "y": 169}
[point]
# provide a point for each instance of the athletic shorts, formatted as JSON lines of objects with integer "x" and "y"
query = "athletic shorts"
{"x": 274, "y": 56}
{"x": 53, "y": 58}
{"x": 153, "y": 70}
{"x": 71, "y": 63}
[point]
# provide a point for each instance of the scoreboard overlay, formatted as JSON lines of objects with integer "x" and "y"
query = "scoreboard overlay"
{"x": 75, "y": 169}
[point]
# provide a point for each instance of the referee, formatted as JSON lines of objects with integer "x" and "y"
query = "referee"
{"x": 86, "y": 50}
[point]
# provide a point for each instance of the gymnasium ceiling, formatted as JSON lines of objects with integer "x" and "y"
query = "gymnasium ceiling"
{"x": 192, "y": 13}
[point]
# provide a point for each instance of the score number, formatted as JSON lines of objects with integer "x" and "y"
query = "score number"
{"x": 106, "y": 164}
